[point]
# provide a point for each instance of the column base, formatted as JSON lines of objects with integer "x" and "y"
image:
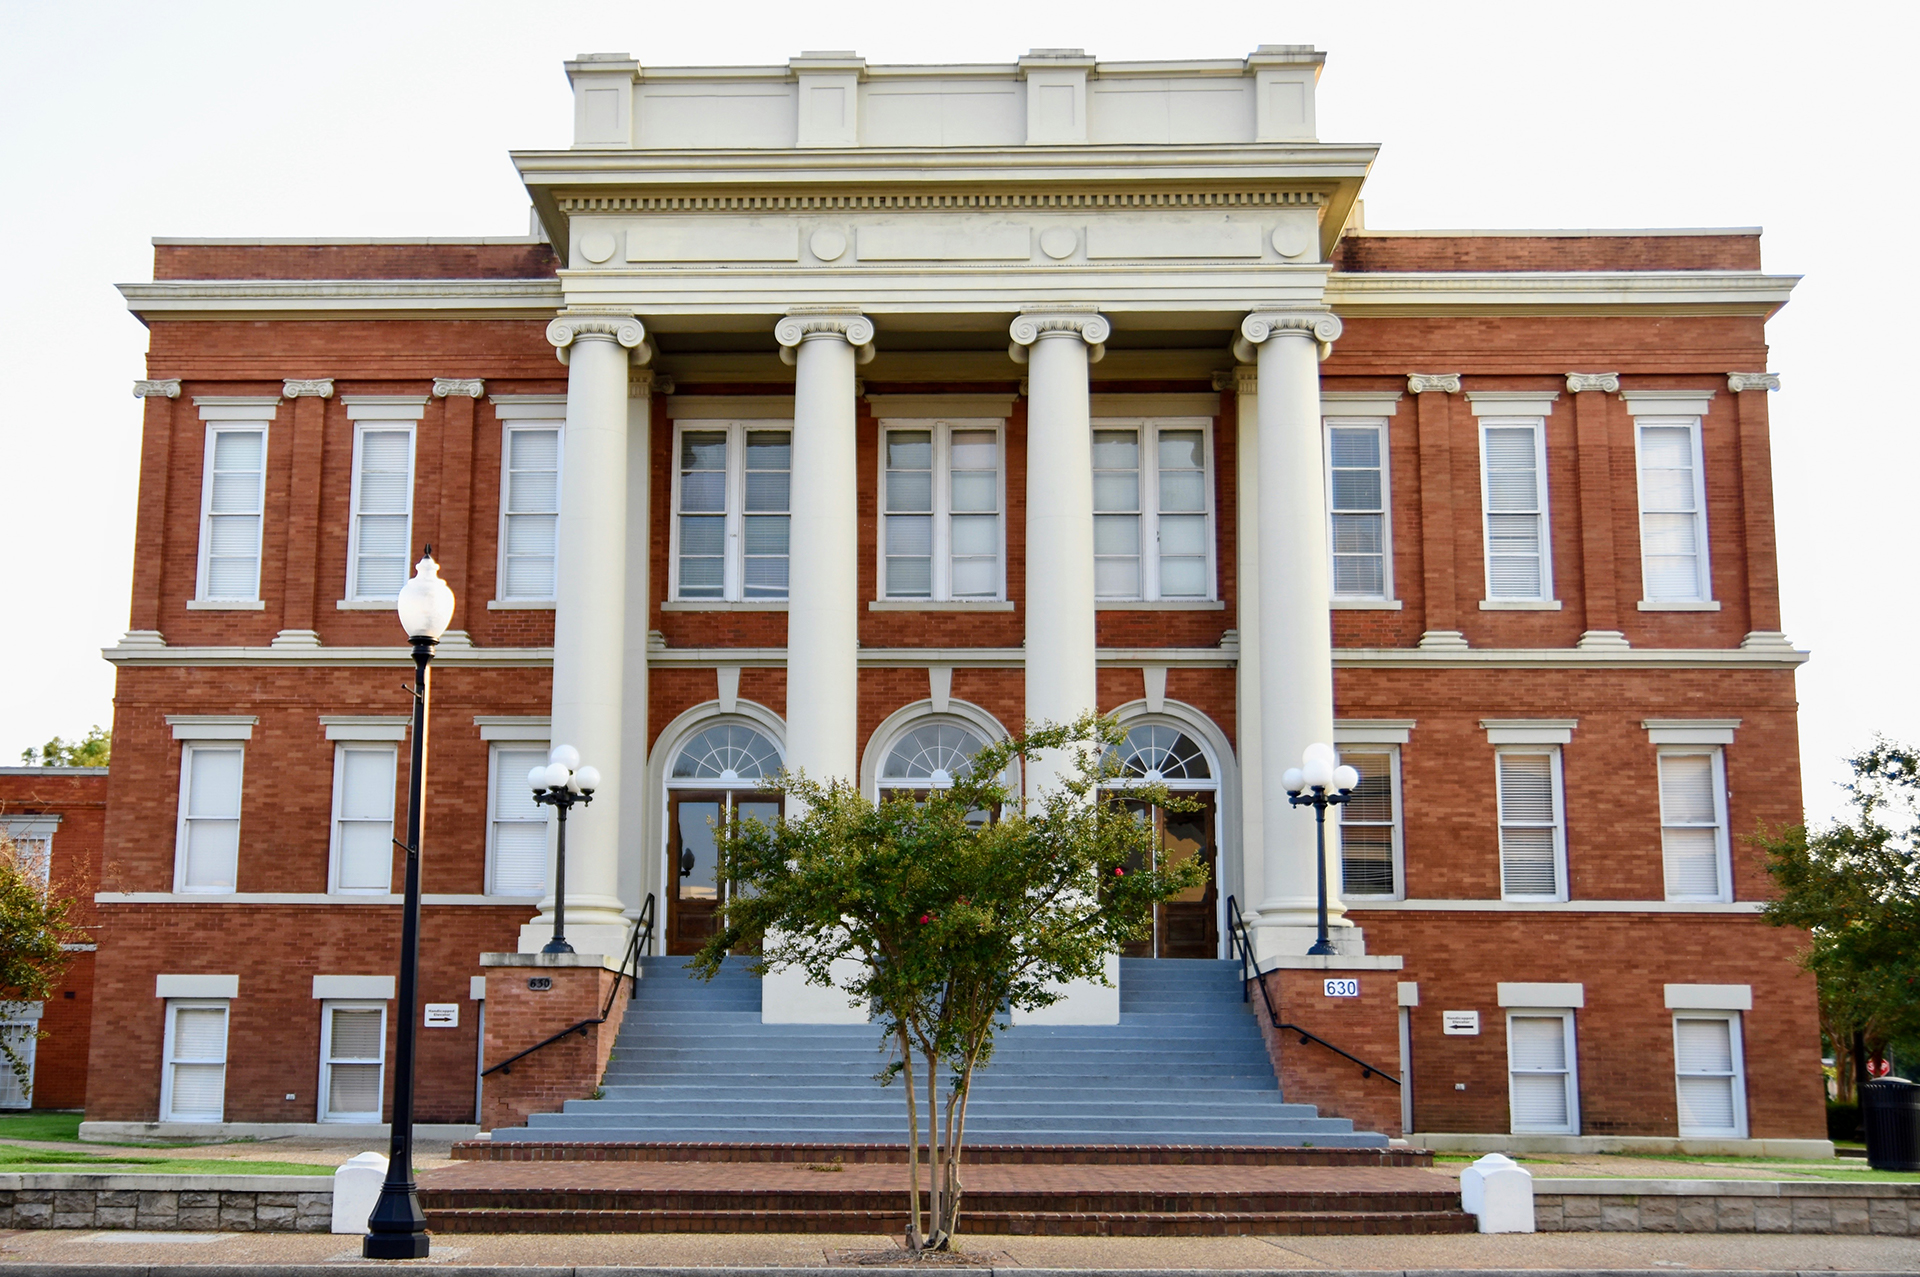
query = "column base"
{"x": 585, "y": 936}
{"x": 296, "y": 638}
{"x": 1443, "y": 641}
{"x": 1603, "y": 641}
{"x": 143, "y": 638}
{"x": 1288, "y": 940}
{"x": 1767, "y": 641}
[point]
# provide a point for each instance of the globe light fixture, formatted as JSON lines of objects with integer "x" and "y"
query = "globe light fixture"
{"x": 1320, "y": 782}
{"x": 559, "y": 785}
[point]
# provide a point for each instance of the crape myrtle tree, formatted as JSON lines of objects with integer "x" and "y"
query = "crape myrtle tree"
{"x": 36, "y": 925}
{"x": 1854, "y": 887}
{"x": 955, "y": 908}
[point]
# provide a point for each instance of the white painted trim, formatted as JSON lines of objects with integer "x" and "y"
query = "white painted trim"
{"x": 1690, "y": 731}
{"x": 1737, "y": 1083}
{"x": 1360, "y": 403}
{"x": 1564, "y": 906}
{"x": 529, "y": 408}
{"x": 1529, "y": 731}
{"x": 1668, "y": 403}
{"x": 196, "y": 986}
{"x": 336, "y": 824}
{"x": 723, "y": 605}
{"x": 888, "y": 407}
{"x": 938, "y": 605}
{"x": 1377, "y": 421}
{"x": 407, "y": 408}
{"x": 256, "y": 898}
{"x": 1703, "y": 563}
{"x": 173, "y": 1008}
{"x": 196, "y": 727}
{"x": 323, "y": 1098}
{"x": 1398, "y": 829}
{"x": 726, "y": 408}
{"x": 1160, "y": 605}
{"x": 350, "y": 597}
{"x": 1572, "y": 1074}
{"x": 1560, "y": 891}
{"x": 508, "y": 428}
{"x": 1504, "y": 413}
{"x": 245, "y": 421}
{"x": 1520, "y": 605}
{"x": 1190, "y": 404}
{"x": 368, "y": 727}
{"x": 1546, "y": 996}
{"x": 38, "y": 825}
{"x": 1722, "y": 843}
{"x": 1709, "y": 997}
{"x": 1365, "y": 605}
{"x": 226, "y": 605}
{"x": 504, "y": 727}
{"x": 245, "y": 408}
{"x": 1679, "y": 605}
{"x": 1372, "y": 731}
{"x": 517, "y": 605}
{"x": 180, "y": 829}
{"x": 363, "y": 987}
{"x": 1512, "y": 403}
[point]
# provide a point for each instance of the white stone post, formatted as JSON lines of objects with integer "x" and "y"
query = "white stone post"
{"x": 1295, "y": 639}
{"x": 637, "y": 870}
{"x": 1243, "y": 381}
{"x": 589, "y": 620}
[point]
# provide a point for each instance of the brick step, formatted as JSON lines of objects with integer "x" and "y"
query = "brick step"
{"x": 973, "y": 1222}
{"x": 972, "y": 1154}
{"x": 876, "y": 1200}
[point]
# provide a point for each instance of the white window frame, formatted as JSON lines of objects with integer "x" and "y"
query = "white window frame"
{"x": 216, "y": 428}
{"x": 167, "y": 1060}
{"x": 1566, "y": 1017}
{"x": 1559, "y": 821}
{"x": 1539, "y": 427}
{"x": 1150, "y": 429}
{"x": 1382, "y": 427}
{"x": 494, "y": 780}
{"x": 942, "y": 429}
{"x": 32, "y": 836}
{"x": 1392, "y": 751}
{"x": 733, "y": 562}
{"x": 508, "y": 428}
{"x": 1739, "y": 1076}
{"x": 180, "y": 841}
{"x": 340, "y": 751}
{"x": 384, "y": 425}
{"x": 327, "y": 1008}
{"x": 1703, "y": 567}
{"x": 1723, "y": 851}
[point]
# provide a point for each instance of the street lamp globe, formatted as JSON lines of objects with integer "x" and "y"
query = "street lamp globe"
{"x": 1317, "y": 771}
{"x": 426, "y": 602}
{"x": 1346, "y": 779}
{"x": 587, "y": 779}
{"x": 566, "y": 755}
{"x": 1295, "y": 780}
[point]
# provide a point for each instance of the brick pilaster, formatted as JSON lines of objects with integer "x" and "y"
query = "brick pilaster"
{"x": 1597, "y": 560}
{"x": 299, "y": 596}
{"x": 1435, "y": 425}
{"x": 150, "y": 535}
{"x": 1756, "y": 500}
{"x": 453, "y": 544}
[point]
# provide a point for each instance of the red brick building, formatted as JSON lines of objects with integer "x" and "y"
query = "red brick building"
{"x": 1491, "y": 512}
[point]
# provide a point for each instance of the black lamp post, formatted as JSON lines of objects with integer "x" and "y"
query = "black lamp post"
{"x": 397, "y": 1228}
{"x": 1320, "y": 783}
{"x": 559, "y": 785}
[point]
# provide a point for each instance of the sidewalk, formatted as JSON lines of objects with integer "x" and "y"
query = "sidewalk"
{"x": 151, "y": 1254}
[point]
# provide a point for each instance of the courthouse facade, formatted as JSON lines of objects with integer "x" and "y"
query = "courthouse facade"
{"x": 895, "y": 407}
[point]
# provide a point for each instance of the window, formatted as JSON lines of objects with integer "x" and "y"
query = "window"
{"x": 1693, "y": 824}
{"x": 1673, "y": 511}
{"x": 1358, "y": 527}
{"x": 363, "y": 778}
{"x": 1370, "y": 825}
{"x": 719, "y": 776}
{"x": 232, "y": 501}
{"x": 516, "y": 825}
{"x": 20, "y": 1028}
{"x": 1712, "y": 1093}
{"x": 1153, "y": 514}
{"x": 207, "y": 844}
{"x": 1543, "y": 1091}
{"x": 730, "y": 511}
{"x": 1513, "y": 487}
{"x": 931, "y": 756}
{"x": 193, "y": 1081}
{"x": 940, "y": 510}
{"x": 353, "y": 1055}
{"x": 1532, "y": 833}
{"x": 1188, "y": 925}
{"x": 382, "y": 527}
{"x": 33, "y": 841}
{"x": 529, "y": 511}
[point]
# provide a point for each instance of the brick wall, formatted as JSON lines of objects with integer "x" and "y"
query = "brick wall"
{"x": 1385, "y": 251}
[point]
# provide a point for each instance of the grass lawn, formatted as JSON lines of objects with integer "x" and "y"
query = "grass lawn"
{"x": 14, "y": 1160}
{"x": 1840, "y": 1169}
{"x": 40, "y": 1126}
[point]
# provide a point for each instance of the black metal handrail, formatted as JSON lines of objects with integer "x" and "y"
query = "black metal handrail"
{"x": 1240, "y": 944}
{"x": 629, "y": 969}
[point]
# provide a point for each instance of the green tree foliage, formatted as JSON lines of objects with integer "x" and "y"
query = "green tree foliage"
{"x": 1854, "y": 887}
{"x": 943, "y": 914}
{"x": 91, "y": 750}
{"x": 35, "y": 924}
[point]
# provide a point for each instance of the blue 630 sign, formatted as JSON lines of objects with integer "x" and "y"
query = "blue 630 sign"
{"x": 1348, "y": 988}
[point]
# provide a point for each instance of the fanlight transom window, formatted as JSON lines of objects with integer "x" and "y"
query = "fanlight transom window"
{"x": 933, "y": 754}
{"x": 1152, "y": 752}
{"x": 727, "y": 753}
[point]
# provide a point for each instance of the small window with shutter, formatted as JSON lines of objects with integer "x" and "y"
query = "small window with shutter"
{"x": 193, "y": 1084}
{"x": 516, "y": 825}
{"x": 1543, "y": 1092}
{"x": 1513, "y": 486}
{"x": 363, "y": 777}
{"x": 1673, "y": 511}
{"x": 1693, "y": 824}
{"x": 1370, "y": 825}
{"x": 529, "y": 511}
{"x": 353, "y": 1042}
{"x": 1532, "y": 825}
{"x": 1708, "y": 1075}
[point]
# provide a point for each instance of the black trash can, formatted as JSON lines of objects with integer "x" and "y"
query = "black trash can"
{"x": 1890, "y": 1112}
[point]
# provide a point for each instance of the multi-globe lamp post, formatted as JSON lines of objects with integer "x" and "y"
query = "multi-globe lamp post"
{"x": 1321, "y": 781}
{"x": 559, "y": 785}
{"x": 397, "y": 1228}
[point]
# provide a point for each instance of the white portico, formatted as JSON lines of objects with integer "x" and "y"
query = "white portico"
{"x": 1057, "y": 223}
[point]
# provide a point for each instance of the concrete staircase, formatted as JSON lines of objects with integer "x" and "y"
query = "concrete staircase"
{"x": 1185, "y": 1066}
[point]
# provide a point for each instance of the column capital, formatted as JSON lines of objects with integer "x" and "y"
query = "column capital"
{"x": 317, "y": 388}
{"x": 844, "y": 322}
{"x": 1323, "y": 326}
{"x": 471, "y": 387}
{"x": 164, "y": 388}
{"x": 1736, "y": 381}
{"x": 1420, "y": 383}
{"x": 1084, "y": 322}
{"x": 620, "y": 327}
{"x": 1577, "y": 382}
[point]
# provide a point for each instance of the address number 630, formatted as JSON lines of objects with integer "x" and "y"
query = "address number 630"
{"x": 1343, "y": 988}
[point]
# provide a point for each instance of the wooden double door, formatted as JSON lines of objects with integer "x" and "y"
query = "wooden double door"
{"x": 1188, "y": 926}
{"x": 694, "y": 819}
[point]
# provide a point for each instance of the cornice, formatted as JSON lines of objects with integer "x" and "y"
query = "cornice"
{"x": 330, "y": 298}
{"x": 1423, "y": 293}
{"x": 162, "y": 388}
{"x": 1579, "y": 382}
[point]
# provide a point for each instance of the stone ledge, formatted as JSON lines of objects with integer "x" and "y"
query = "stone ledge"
{"x": 168, "y": 1203}
{"x": 1513, "y": 1145}
{"x": 1726, "y": 1206}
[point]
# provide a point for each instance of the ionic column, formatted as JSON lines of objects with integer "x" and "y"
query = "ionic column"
{"x": 589, "y": 620}
{"x": 1059, "y": 346}
{"x": 823, "y": 555}
{"x": 150, "y": 540}
{"x": 1599, "y": 574}
{"x": 1440, "y": 588}
{"x": 1296, "y": 637}
{"x": 1749, "y": 391}
{"x": 638, "y": 870}
{"x": 301, "y": 571}
{"x": 452, "y": 547}
{"x": 1243, "y": 381}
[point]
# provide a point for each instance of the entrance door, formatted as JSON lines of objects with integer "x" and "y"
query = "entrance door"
{"x": 1186, "y": 926}
{"x": 693, "y": 857}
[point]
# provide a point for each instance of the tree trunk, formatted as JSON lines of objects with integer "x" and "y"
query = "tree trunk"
{"x": 1859, "y": 1065}
{"x": 913, "y": 1147}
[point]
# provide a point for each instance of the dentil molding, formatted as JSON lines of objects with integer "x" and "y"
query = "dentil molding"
{"x": 1420, "y": 383}
{"x": 1736, "y": 381}
{"x": 317, "y": 388}
{"x": 1579, "y": 381}
{"x": 472, "y": 387}
{"x": 166, "y": 388}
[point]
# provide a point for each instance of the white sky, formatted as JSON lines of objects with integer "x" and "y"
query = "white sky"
{"x": 122, "y": 121}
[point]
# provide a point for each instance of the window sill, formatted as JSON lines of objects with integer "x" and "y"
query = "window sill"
{"x": 1159, "y": 605}
{"x": 724, "y": 605}
{"x": 521, "y": 605}
{"x": 1519, "y": 605}
{"x": 1366, "y": 605}
{"x": 367, "y": 605}
{"x": 940, "y": 605}
{"x": 1680, "y": 605}
{"x": 226, "y": 605}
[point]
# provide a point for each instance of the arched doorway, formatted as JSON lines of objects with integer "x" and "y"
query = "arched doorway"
{"x": 718, "y": 775}
{"x": 1188, "y": 925}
